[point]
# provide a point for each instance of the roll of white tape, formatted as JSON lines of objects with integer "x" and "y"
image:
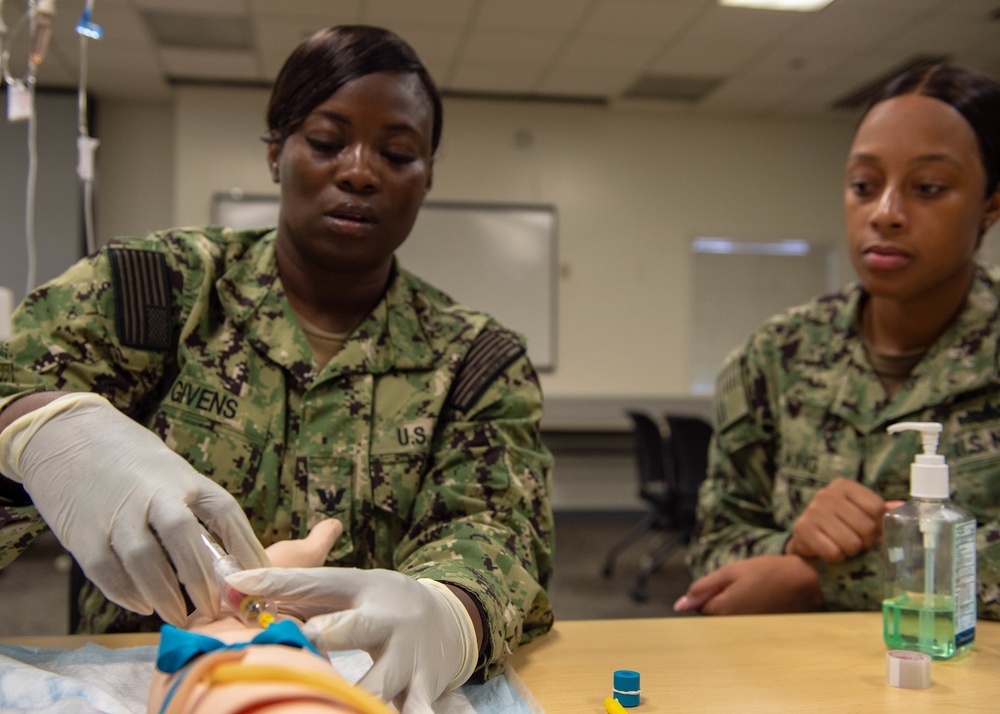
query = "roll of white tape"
{"x": 6, "y": 308}
{"x": 909, "y": 670}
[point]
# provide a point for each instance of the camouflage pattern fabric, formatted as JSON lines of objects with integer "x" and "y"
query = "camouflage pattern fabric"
{"x": 799, "y": 406}
{"x": 426, "y": 484}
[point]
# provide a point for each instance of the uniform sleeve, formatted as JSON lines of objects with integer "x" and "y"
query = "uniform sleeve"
{"x": 735, "y": 519}
{"x": 483, "y": 519}
{"x": 64, "y": 337}
{"x": 988, "y": 565}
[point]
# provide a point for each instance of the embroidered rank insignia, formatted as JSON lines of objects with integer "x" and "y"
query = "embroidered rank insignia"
{"x": 490, "y": 354}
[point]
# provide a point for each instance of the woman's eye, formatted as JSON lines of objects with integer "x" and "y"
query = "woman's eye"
{"x": 929, "y": 189}
{"x": 325, "y": 147}
{"x": 399, "y": 158}
{"x": 861, "y": 187}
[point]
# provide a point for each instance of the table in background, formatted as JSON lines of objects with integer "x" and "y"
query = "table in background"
{"x": 826, "y": 662}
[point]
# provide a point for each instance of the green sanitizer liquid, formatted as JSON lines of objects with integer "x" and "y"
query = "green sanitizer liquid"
{"x": 921, "y": 624}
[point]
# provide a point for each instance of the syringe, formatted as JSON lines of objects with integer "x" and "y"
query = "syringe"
{"x": 251, "y": 610}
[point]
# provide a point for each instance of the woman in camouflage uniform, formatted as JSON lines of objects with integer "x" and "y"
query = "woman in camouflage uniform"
{"x": 274, "y": 378}
{"x": 802, "y": 469}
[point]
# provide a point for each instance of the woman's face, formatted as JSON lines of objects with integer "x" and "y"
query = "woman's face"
{"x": 914, "y": 198}
{"x": 354, "y": 174}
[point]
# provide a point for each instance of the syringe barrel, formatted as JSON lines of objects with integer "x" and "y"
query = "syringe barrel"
{"x": 250, "y": 610}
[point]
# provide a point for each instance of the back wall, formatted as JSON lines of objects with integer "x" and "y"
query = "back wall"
{"x": 632, "y": 184}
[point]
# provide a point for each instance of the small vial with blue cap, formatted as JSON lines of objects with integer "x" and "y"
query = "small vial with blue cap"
{"x": 626, "y": 687}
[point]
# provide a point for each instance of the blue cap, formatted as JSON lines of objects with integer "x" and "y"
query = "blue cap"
{"x": 627, "y": 687}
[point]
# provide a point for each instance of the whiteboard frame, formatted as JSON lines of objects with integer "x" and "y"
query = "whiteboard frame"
{"x": 235, "y": 200}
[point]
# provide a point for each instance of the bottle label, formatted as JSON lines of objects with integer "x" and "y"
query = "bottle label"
{"x": 965, "y": 582}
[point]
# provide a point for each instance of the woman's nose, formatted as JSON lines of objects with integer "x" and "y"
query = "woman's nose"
{"x": 355, "y": 170}
{"x": 890, "y": 211}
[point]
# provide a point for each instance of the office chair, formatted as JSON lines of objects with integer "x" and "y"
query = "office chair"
{"x": 689, "y": 442}
{"x": 670, "y": 473}
{"x": 687, "y": 450}
{"x": 655, "y": 487}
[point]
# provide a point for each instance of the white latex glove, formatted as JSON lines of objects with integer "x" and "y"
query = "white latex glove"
{"x": 112, "y": 492}
{"x": 418, "y": 632}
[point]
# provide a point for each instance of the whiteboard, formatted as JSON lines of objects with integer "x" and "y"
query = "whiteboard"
{"x": 498, "y": 258}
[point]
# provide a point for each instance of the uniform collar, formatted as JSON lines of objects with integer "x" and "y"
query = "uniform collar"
{"x": 391, "y": 337}
{"x": 963, "y": 359}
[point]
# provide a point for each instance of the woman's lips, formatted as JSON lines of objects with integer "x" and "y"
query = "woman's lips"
{"x": 349, "y": 223}
{"x": 885, "y": 259}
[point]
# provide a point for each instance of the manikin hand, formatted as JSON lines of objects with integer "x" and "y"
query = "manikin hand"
{"x": 842, "y": 519}
{"x": 112, "y": 493}
{"x": 420, "y": 636}
{"x": 769, "y": 583}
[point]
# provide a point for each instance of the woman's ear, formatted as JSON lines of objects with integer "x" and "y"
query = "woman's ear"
{"x": 991, "y": 211}
{"x": 273, "y": 155}
{"x": 430, "y": 178}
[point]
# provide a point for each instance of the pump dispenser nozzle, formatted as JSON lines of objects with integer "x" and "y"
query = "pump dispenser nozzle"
{"x": 929, "y": 471}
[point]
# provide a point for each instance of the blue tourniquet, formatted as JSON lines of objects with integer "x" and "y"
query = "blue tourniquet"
{"x": 178, "y": 647}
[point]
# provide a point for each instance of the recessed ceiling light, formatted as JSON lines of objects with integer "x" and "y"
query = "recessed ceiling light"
{"x": 792, "y": 5}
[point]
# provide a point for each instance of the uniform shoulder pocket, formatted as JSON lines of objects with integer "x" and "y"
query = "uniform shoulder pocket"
{"x": 734, "y": 426}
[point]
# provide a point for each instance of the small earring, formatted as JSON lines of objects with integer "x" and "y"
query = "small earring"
{"x": 987, "y": 223}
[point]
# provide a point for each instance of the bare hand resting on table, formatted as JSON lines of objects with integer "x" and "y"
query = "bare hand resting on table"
{"x": 769, "y": 583}
{"x": 842, "y": 519}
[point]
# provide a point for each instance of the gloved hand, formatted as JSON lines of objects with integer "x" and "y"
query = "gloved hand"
{"x": 112, "y": 492}
{"x": 418, "y": 632}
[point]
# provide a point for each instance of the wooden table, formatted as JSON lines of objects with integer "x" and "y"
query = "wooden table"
{"x": 830, "y": 662}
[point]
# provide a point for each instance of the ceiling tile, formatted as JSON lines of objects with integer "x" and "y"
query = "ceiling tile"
{"x": 707, "y": 57}
{"x": 125, "y": 73}
{"x": 185, "y": 63}
{"x": 386, "y": 13}
{"x": 495, "y": 46}
{"x": 586, "y": 81}
{"x": 215, "y": 7}
{"x": 724, "y": 24}
{"x": 943, "y": 34}
{"x": 981, "y": 9}
{"x": 854, "y": 24}
{"x": 754, "y": 95}
{"x": 531, "y": 15}
{"x": 350, "y": 10}
{"x": 510, "y": 77}
{"x": 277, "y": 38}
{"x": 792, "y": 60}
{"x": 643, "y": 18}
{"x": 616, "y": 52}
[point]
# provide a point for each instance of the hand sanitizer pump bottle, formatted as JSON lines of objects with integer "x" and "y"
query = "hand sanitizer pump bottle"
{"x": 929, "y": 549}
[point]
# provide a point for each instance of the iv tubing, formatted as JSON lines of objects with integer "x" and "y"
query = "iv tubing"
{"x": 84, "y": 131}
{"x": 29, "y": 210}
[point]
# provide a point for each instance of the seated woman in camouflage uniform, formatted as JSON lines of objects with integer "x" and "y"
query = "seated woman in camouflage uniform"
{"x": 259, "y": 381}
{"x": 802, "y": 469}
